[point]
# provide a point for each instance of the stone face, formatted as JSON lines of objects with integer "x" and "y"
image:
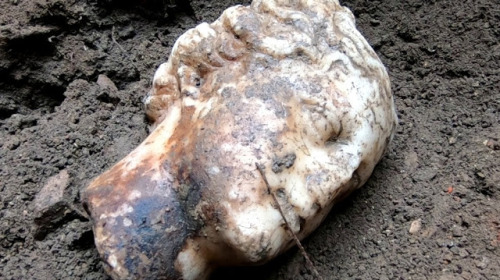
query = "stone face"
{"x": 289, "y": 85}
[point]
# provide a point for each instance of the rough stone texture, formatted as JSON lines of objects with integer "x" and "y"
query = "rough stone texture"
{"x": 443, "y": 60}
{"x": 50, "y": 207}
{"x": 52, "y": 192}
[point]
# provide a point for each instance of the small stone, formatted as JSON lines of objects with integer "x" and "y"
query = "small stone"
{"x": 52, "y": 192}
{"x": 456, "y": 231}
{"x": 374, "y": 22}
{"x": 51, "y": 209}
{"x": 494, "y": 145}
{"x": 415, "y": 226}
{"x": 463, "y": 252}
{"x": 455, "y": 250}
{"x": 452, "y": 140}
{"x": 483, "y": 263}
{"x": 105, "y": 83}
{"x": 109, "y": 92}
{"x": 448, "y": 257}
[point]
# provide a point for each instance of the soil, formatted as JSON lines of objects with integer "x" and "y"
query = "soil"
{"x": 440, "y": 177}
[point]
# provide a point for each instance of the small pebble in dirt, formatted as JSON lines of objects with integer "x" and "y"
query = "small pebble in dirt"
{"x": 105, "y": 83}
{"x": 109, "y": 92}
{"x": 463, "y": 252}
{"x": 456, "y": 231}
{"x": 52, "y": 192}
{"x": 483, "y": 263}
{"x": 492, "y": 144}
{"x": 415, "y": 226}
{"x": 50, "y": 207}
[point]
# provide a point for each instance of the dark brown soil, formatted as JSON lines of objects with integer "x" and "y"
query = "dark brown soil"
{"x": 443, "y": 167}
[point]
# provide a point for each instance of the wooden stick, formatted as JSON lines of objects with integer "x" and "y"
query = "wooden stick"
{"x": 116, "y": 42}
{"x": 294, "y": 236}
{"x": 121, "y": 48}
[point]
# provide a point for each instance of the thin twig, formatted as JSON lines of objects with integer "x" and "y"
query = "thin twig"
{"x": 297, "y": 241}
{"x": 114, "y": 40}
{"x": 121, "y": 48}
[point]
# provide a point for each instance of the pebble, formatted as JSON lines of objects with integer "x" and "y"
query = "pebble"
{"x": 481, "y": 175}
{"x": 483, "y": 263}
{"x": 494, "y": 145}
{"x": 415, "y": 226}
{"x": 52, "y": 192}
{"x": 463, "y": 252}
{"x": 50, "y": 207}
{"x": 105, "y": 83}
{"x": 456, "y": 231}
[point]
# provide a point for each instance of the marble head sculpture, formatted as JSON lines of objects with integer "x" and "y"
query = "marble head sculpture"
{"x": 290, "y": 85}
